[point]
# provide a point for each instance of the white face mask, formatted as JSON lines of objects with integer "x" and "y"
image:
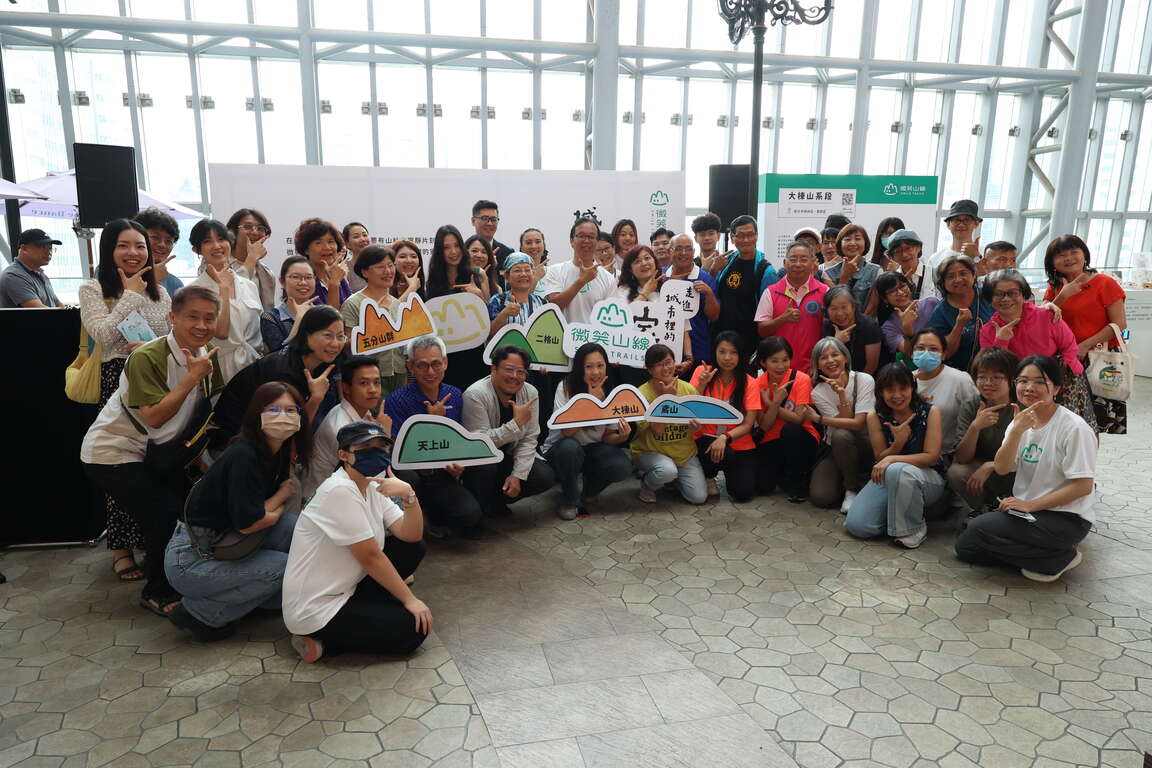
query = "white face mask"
{"x": 280, "y": 426}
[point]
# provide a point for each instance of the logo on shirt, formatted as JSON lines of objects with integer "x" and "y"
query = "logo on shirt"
{"x": 812, "y": 307}
{"x": 1032, "y": 453}
{"x": 734, "y": 279}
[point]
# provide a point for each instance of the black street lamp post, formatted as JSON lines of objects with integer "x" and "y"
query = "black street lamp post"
{"x": 741, "y": 14}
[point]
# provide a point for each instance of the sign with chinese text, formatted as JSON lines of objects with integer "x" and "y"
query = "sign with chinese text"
{"x": 584, "y": 410}
{"x": 377, "y": 330}
{"x": 430, "y": 442}
{"x": 626, "y": 331}
{"x": 542, "y": 339}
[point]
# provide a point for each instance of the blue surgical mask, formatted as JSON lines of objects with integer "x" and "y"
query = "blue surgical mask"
{"x": 884, "y": 241}
{"x": 371, "y": 462}
{"x": 926, "y": 361}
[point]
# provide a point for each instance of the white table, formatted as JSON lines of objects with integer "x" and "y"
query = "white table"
{"x": 1138, "y": 308}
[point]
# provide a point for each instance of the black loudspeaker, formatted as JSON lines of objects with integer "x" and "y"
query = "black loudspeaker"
{"x": 105, "y": 183}
{"x": 728, "y": 192}
{"x": 47, "y": 497}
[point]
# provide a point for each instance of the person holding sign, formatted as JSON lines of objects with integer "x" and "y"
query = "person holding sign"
{"x": 450, "y": 271}
{"x": 905, "y": 432}
{"x": 125, "y": 287}
{"x": 447, "y": 504}
{"x": 720, "y": 447}
{"x": 790, "y": 308}
{"x": 575, "y": 286}
{"x": 683, "y": 267}
{"x": 1053, "y": 452}
{"x": 789, "y": 442}
{"x": 345, "y": 584}
{"x": 377, "y": 267}
{"x": 504, "y": 407}
{"x": 667, "y": 453}
{"x": 595, "y": 453}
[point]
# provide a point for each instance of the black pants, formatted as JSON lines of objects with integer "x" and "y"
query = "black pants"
{"x": 444, "y": 500}
{"x": 1045, "y": 546}
{"x": 739, "y": 469}
{"x": 154, "y": 503}
{"x": 486, "y": 483}
{"x": 787, "y": 461}
{"x": 373, "y": 620}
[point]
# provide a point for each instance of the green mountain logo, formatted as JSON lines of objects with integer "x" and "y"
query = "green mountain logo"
{"x": 659, "y": 198}
{"x": 543, "y": 339}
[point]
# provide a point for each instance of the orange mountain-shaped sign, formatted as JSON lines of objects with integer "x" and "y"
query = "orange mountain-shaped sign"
{"x": 377, "y": 332}
{"x": 584, "y": 410}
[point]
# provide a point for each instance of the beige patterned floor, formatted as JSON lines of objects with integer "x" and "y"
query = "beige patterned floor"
{"x": 758, "y": 635}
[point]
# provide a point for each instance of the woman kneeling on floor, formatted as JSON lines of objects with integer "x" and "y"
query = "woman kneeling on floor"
{"x": 227, "y": 555}
{"x": 1053, "y": 452}
{"x": 344, "y": 587}
{"x": 905, "y": 434}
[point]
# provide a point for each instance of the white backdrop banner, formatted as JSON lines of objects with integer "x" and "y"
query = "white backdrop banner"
{"x": 413, "y": 202}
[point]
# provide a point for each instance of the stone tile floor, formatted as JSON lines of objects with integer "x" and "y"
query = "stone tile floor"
{"x": 757, "y": 635}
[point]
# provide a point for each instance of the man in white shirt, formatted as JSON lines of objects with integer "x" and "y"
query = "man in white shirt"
{"x": 359, "y": 396}
{"x": 575, "y": 286}
{"x": 963, "y": 221}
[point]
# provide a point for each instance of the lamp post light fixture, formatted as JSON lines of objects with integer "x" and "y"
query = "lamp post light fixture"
{"x": 742, "y": 14}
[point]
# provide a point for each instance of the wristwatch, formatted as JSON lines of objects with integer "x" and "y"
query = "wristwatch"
{"x": 410, "y": 499}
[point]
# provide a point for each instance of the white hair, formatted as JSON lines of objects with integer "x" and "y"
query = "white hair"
{"x": 427, "y": 341}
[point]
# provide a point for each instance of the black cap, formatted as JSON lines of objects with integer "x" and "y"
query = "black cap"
{"x": 37, "y": 237}
{"x": 964, "y": 208}
{"x": 358, "y": 433}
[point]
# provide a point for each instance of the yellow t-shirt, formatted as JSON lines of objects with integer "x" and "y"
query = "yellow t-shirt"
{"x": 676, "y": 442}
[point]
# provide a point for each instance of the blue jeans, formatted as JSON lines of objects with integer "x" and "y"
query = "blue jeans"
{"x": 218, "y": 592}
{"x": 657, "y": 470}
{"x": 897, "y": 506}
{"x": 600, "y": 464}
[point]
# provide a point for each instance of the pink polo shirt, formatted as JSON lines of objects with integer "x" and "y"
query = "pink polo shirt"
{"x": 1035, "y": 334}
{"x": 779, "y": 298}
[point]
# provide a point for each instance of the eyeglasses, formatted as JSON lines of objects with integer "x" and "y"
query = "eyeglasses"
{"x": 257, "y": 228}
{"x": 957, "y": 275}
{"x": 585, "y": 237}
{"x": 1024, "y": 381}
{"x": 380, "y": 266}
{"x": 923, "y": 348}
{"x": 301, "y": 278}
{"x": 424, "y": 366}
{"x": 282, "y": 409}
{"x": 993, "y": 379}
{"x": 1015, "y": 293}
{"x": 488, "y": 219}
{"x": 519, "y": 373}
{"x": 683, "y": 249}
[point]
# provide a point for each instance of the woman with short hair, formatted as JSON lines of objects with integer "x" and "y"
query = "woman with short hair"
{"x": 125, "y": 285}
{"x": 961, "y": 311}
{"x": 250, "y": 231}
{"x": 238, "y": 325}
{"x": 860, "y": 333}
{"x": 321, "y": 243}
{"x": 228, "y": 553}
{"x": 666, "y": 453}
{"x": 297, "y": 284}
{"x": 1053, "y": 452}
{"x": 899, "y": 314}
{"x": 376, "y": 266}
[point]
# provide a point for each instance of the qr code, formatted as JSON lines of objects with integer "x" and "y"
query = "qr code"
{"x": 847, "y": 198}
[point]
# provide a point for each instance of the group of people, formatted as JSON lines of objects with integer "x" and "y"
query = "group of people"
{"x": 246, "y": 450}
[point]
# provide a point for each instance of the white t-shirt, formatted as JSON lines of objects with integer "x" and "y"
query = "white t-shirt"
{"x": 1063, "y": 449}
{"x": 560, "y": 276}
{"x": 935, "y": 259}
{"x": 322, "y": 573}
{"x": 925, "y": 277}
{"x": 947, "y": 392}
{"x": 861, "y": 386}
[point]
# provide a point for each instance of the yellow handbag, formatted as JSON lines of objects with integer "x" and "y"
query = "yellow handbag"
{"x": 82, "y": 376}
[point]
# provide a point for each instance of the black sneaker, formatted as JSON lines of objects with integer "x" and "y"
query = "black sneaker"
{"x": 798, "y": 496}
{"x": 205, "y": 633}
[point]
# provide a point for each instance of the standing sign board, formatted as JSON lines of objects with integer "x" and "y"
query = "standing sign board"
{"x": 789, "y": 202}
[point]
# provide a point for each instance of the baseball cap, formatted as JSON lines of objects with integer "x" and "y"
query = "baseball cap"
{"x": 37, "y": 237}
{"x": 358, "y": 433}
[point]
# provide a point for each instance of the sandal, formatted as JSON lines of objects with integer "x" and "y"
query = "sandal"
{"x": 161, "y": 606}
{"x": 125, "y": 573}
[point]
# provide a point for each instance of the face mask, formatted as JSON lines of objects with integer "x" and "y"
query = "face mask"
{"x": 926, "y": 361}
{"x": 884, "y": 241}
{"x": 280, "y": 426}
{"x": 371, "y": 462}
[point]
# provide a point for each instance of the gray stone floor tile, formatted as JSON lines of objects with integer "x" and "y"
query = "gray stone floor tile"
{"x": 559, "y": 711}
{"x": 724, "y": 742}
{"x": 617, "y": 656}
{"x": 561, "y": 753}
{"x": 504, "y": 669}
{"x": 687, "y": 695}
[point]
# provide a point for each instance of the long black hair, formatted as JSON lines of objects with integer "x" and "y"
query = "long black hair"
{"x": 316, "y": 319}
{"x": 885, "y": 283}
{"x": 108, "y": 275}
{"x": 438, "y": 267}
{"x": 895, "y": 375}
{"x": 574, "y": 383}
{"x": 739, "y": 373}
{"x": 629, "y": 280}
{"x": 252, "y": 432}
{"x": 879, "y": 252}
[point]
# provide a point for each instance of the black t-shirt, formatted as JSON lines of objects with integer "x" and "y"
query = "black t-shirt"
{"x": 233, "y": 491}
{"x": 505, "y": 410}
{"x": 739, "y": 292}
{"x": 867, "y": 331}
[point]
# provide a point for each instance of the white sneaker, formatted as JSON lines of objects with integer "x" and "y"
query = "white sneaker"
{"x": 713, "y": 487}
{"x": 849, "y": 497}
{"x": 1049, "y": 577}
{"x": 913, "y": 540}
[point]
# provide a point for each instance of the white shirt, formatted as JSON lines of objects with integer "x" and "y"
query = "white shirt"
{"x": 322, "y": 573}
{"x": 244, "y": 341}
{"x": 1063, "y": 449}
{"x": 861, "y": 389}
{"x": 935, "y": 259}
{"x": 924, "y": 276}
{"x": 560, "y": 276}
{"x": 947, "y": 391}
{"x": 324, "y": 460}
